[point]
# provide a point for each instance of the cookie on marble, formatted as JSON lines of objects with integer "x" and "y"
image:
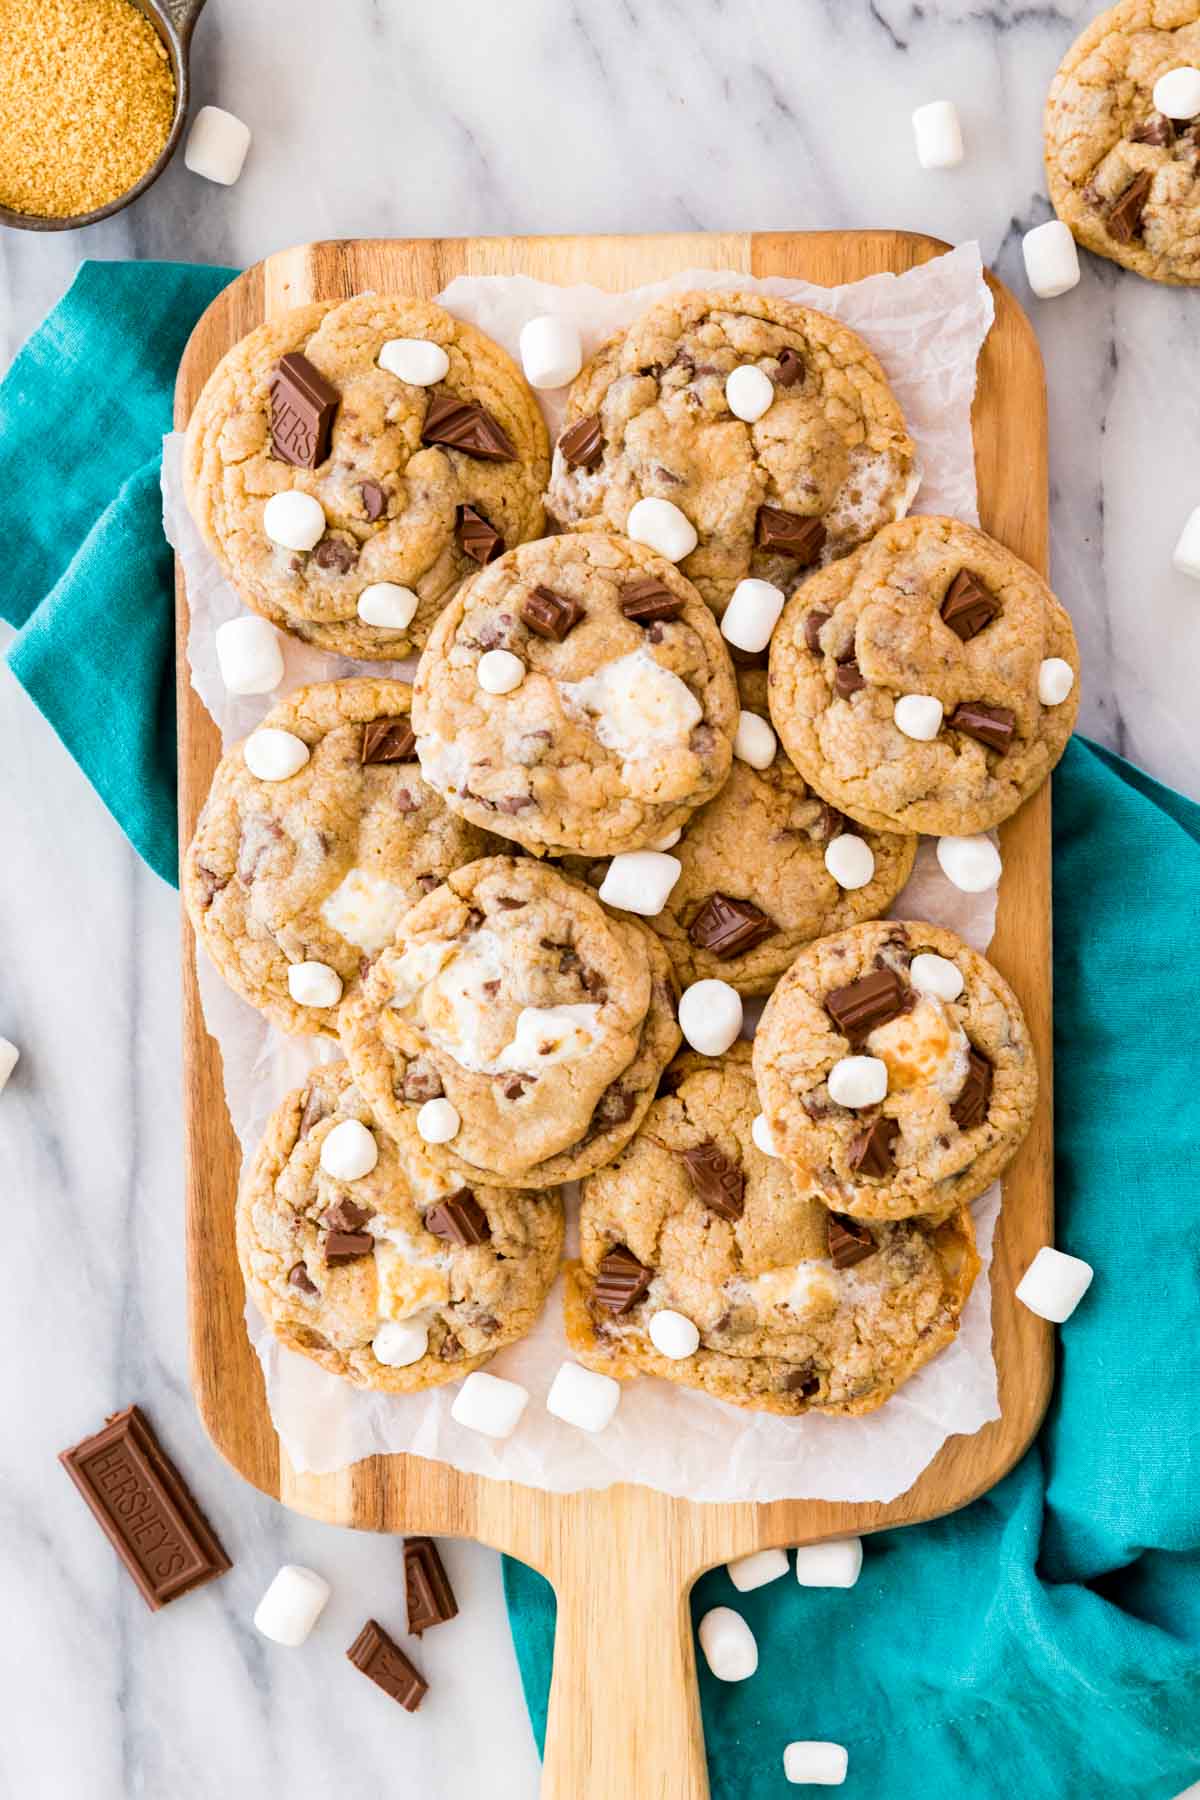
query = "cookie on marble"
{"x": 616, "y": 720}
{"x": 400, "y": 1278}
{"x": 411, "y": 479}
{"x": 826, "y": 464}
{"x": 317, "y": 867}
{"x": 1122, "y": 175}
{"x": 790, "y": 1311}
{"x": 895, "y": 1071}
{"x": 518, "y": 1021}
{"x": 932, "y": 611}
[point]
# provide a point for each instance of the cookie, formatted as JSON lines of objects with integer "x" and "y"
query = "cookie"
{"x": 930, "y": 609}
{"x": 319, "y": 867}
{"x": 825, "y": 465}
{"x": 620, "y": 713}
{"x": 895, "y": 1070}
{"x": 793, "y": 1314}
{"x": 417, "y": 484}
{"x": 1122, "y": 175}
{"x": 401, "y": 1263}
{"x": 518, "y": 1020}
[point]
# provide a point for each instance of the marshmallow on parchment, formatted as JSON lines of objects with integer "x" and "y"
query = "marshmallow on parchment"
{"x": 291, "y": 1605}
{"x": 488, "y": 1404}
{"x": 582, "y": 1397}
{"x": 248, "y": 655}
{"x": 728, "y": 1644}
{"x": 1054, "y": 1284}
{"x": 971, "y": 863}
{"x": 551, "y": 351}
{"x": 216, "y": 146}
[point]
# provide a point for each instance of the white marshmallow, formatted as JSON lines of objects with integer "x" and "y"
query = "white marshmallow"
{"x": 291, "y": 1605}
{"x": 837, "y": 1564}
{"x": 754, "y": 742}
{"x": 248, "y": 655}
{"x": 639, "y": 881}
{"x": 812, "y": 1764}
{"x": 971, "y": 863}
{"x": 673, "y": 1335}
{"x": 1177, "y": 93}
{"x": 349, "y": 1151}
{"x": 858, "y": 1081}
{"x": 314, "y": 984}
{"x": 938, "y": 135}
{"x": 499, "y": 672}
{"x": 850, "y": 860}
{"x": 918, "y": 716}
{"x": 752, "y": 614}
{"x": 388, "y": 604}
{"x": 1187, "y": 551}
{"x": 551, "y": 351}
{"x": 1056, "y": 678}
{"x": 1054, "y": 1284}
{"x": 936, "y": 975}
{"x": 750, "y": 1572}
{"x": 274, "y": 755}
{"x": 438, "y": 1122}
{"x": 398, "y": 1343}
{"x": 216, "y": 145}
{"x": 582, "y": 1397}
{"x": 661, "y": 526}
{"x": 1051, "y": 259}
{"x": 760, "y": 1132}
{"x": 486, "y": 1403}
{"x": 728, "y": 1644}
{"x": 710, "y": 1016}
{"x": 414, "y": 360}
{"x": 748, "y": 392}
{"x": 10, "y": 1056}
{"x": 294, "y": 520}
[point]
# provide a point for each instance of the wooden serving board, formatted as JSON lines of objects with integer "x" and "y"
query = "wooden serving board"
{"x": 622, "y": 1561}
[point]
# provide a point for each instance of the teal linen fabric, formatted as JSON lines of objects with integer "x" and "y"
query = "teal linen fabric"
{"x": 87, "y": 578}
{"x": 1044, "y": 1642}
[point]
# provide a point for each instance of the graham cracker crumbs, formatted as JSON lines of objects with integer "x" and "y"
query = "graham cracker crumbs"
{"x": 86, "y": 103}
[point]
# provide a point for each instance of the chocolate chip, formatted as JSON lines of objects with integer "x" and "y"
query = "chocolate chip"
{"x": 729, "y": 927}
{"x": 791, "y": 368}
{"x": 420, "y": 1082}
{"x": 582, "y": 444}
{"x": 427, "y": 883}
{"x": 717, "y": 1179}
{"x": 791, "y": 534}
{"x": 374, "y": 500}
{"x": 476, "y": 537}
{"x": 347, "y": 1215}
{"x": 449, "y": 1347}
{"x": 459, "y": 1219}
{"x": 813, "y": 621}
{"x": 347, "y": 1246}
{"x": 872, "y": 1000}
{"x": 849, "y": 1241}
{"x": 429, "y": 1596}
{"x": 303, "y": 405}
{"x": 614, "y": 1107}
{"x": 551, "y": 615}
{"x": 803, "y": 1381}
{"x": 388, "y": 740}
{"x": 467, "y": 426}
{"x": 508, "y": 902}
{"x": 1125, "y": 216}
{"x": 991, "y": 725}
{"x": 259, "y": 839}
{"x": 298, "y": 1277}
{"x": 1156, "y": 130}
{"x": 337, "y": 553}
{"x": 870, "y": 1153}
{"x": 646, "y": 602}
{"x": 968, "y": 606}
{"x": 621, "y": 1280}
{"x": 847, "y": 679}
{"x": 830, "y": 824}
{"x": 971, "y": 1107}
{"x": 513, "y": 1086}
{"x": 211, "y": 882}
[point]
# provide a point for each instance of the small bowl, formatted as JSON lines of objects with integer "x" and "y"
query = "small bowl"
{"x": 174, "y": 21}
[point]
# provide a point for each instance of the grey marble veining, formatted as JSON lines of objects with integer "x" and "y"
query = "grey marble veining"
{"x": 377, "y": 117}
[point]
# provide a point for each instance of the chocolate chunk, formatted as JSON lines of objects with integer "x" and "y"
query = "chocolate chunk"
{"x": 790, "y": 370}
{"x": 717, "y": 1179}
{"x": 347, "y": 1215}
{"x": 803, "y": 1381}
{"x": 467, "y": 426}
{"x": 968, "y": 606}
{"x": 374, "y": 500}
{"x": 260, "y": 837}
{"x": 971, "y": 1107}
{"x": 1157, "y": 130}
{"x": 831, "y": 824}
{"x": 459, "y": 1219}
{"x": 426, "y": 1586}
{"x": 384, "y": 1662}
{"x": 849, "y": 1241}
{"x": 303, "y": 405}
{"x": 142, "y": 1505}
{"x": 613, "y": 1107}
{"x": 347, "y": 1246}
{"x": 211, "y": 882}
{"x": 813, "y": 621}
{"x": 299, "y": 1277}
{"x": 991, "y": 725}
{"x": 421, "y": 1081}
{"x": 1125, "y": 217}
{"x": 847, "y": 679}
{"x": 621, "y": 1280}
{"x": 513, "y": 1086}
{"x": 336, "y": 553}
{"x": 647, "y": 602}
{"x": 582, "y": 444}
{"x": 791, "y": 534}
{"x": 870, "y": 1152}
{"x": 550, "y": 615}
{"x": 476, "y": 537}
{"x": 312, "y": 1112}
{"x": 729, "y": 927}
{"x": 388, "y": 740}
{"x": 863, "y": 1004}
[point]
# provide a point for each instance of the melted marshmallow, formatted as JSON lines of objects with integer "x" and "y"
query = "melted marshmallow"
{"x": 546, "y": 1035}
{"x": 408, "y": 1282}
{"x": 923, "y": 1048}
{"x": 365, "y": 909}
{"x": 634, "y": 705}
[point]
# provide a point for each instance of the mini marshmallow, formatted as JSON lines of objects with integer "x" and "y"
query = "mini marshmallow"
{"x": 918, "y": 716}
{"x": 710, "y": 1016}
{"x": 349, "y": 1151}
{"x": 1051, "y": 259}
{"x": 10, "y": 1056}
{"x": 813, "y": 1764}
{"x": 639, "y": 881}
{"x": 1187, "y": 551}
{"x": 499, "y": 672}
{"x": 971, "y": 863}
{"x": 752, "y": 614}
{"x": 1054, "y": 1284}
{"x": 1177, "y": 93}
{"x": 400, "y": 1342}
{"x": 551, "y": 351}
{"x": 414, "y": 360}
{"x": 673, "y": 1335}
{"x": 438, "y": 1122}
{"x": 858, "y": 1081}
{"x": 936, "y": 975}
{"x": 750, "y": 1572}
{"x": 486, "y": 1403}
{"x": 388, "y": 604}
{"x": 938, "y": 135}
{"x": 582, "y": 1397}
{"x": 670, "y": 841}
{"x": 661, "y": 526}
{"x": 291, "y": 1605}
{"x": 314, "y": 984}
{"x": 748, "y": 392}
{"x": 274, "y": 755}
{"x": 216, "y": 145}
{"x": 837, "y": 1564}
{"x": 1056, "y": 678}
{"x": 850, "y": 860}
{"x": 294, "y": 520}
{"x": 728, "y": 1644}
{"x": 760, "y": 1132}
{"x": 754, "y": 742}
{"x": 248, "y": 655}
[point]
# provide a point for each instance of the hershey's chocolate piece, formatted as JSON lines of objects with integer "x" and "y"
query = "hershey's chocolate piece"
{"x": 850, "y": 1241}
{"x": 303, "y": 404}
{"x": 427, "y": 1586}
{"x": 459, "y": 1219}
{"x": 467, "y": 426}
{"x": 582, "y": 444}
{"x": 477, "y": 537}
{"x": 647, "y": 602}
{"x": 861, "y": 1005}
{"x": 299, "y": 1277}
{"x": 791, "y": 368}
{"x": 813, "y": 621}
{"x": 347, "y": 1246}
{"x": 374, "y": 500}
{"x": 346, "y": 1215}
{"x": 991, "y": 725}
{"x": 971, "y": 1107}
{"x": 382, "y": 1660}
{"x": 621, "y": 1280}
{"x": 388, "y": 740}
{"x": 1157, "y": 130}
{"x": 1125, "y": 215}
{"x": 141, "y": 1503}
{"x": 791, "y": 534}
{"x": 729, "y": 927}
{"x": 847, "y": 679}
{"x": 968, "y": 606}
{"x": 551, "y": 615}
{"x": 803, "y": 1381}
{"x": 870, "y": 1152}
{"x": 717, "y": 1179}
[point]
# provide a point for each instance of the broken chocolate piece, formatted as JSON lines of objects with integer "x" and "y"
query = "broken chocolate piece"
{"x": 551, "y": 615}
{"x": 426, "y": 1586}
{"x": 347, "y": 1246}
{"x": 968, "y": 606}
{"x": 582, "y": 444}
{"x": 465, "y": 425}
{"x": 813, "y": 621}
{"x": 791, "y": 368}
{"x": 1157, "y": 130}
{"x": 299, "y": 1277}
{"x": 861, "y": 1005}
{"x": 303, "y": 405}
{"x": 870, "y": 1152}
{"x": 1125, "y": 216}
{"x": 717, "y": 1179}
{"x": 647, "y": 602}
{"x": 621, "y": 1280}
{"x": 459, "y": 1219}
{"x": 346, "y": 1215}
{"x": 388, "y": 740}
{"x": 477, "y": 538}
{"x": 729, "y": 927}
{"x": 382, "y": 1660}
{"x": 991, "y": 725}
{"x": 971, "y": 1107}
{"x": 312, "y": 1112}
{"x": 847, "y": 679}
{"x": 791, "y": 534}
{"x": 803, "y": 1381}
{"x": 849, "y": 1241}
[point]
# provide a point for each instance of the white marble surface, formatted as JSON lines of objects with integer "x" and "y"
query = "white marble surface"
{"x": 373, "y": 117}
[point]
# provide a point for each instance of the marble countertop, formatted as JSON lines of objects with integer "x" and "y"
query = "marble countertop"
{"x": 381, "y": 119}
